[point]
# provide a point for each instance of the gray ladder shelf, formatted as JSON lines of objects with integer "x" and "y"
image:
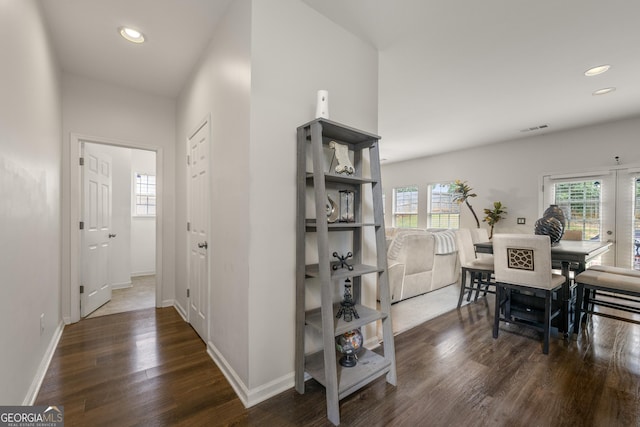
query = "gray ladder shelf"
{"x": 315, "y": 180}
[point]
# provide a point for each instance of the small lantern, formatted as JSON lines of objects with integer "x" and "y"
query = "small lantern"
{"x": 346, "y": 206}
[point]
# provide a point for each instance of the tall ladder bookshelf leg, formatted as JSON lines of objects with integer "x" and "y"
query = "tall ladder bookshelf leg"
{"x": 300, "y": 260}
{"x": 322, "y": 235}
{"x": 383, "y": 277}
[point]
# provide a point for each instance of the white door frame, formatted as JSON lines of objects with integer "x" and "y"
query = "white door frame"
{"x": 617, "y": 219}
{"x": 71, "y": 240}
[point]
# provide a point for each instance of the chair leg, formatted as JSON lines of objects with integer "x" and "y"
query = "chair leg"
{"x": 479, "y": 283}
{"x": 578, "y": 310}
{"x": 547, "y": 321}
{"x": 507, "y": 303}
{"x": 463, "y": 285}
{"x": 496, "y": 317}
{"x": 472, "y": 284}
{"x": 587, "y": 304}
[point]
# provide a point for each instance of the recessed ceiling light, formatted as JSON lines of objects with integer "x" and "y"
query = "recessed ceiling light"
{"x": 597, "y": 70}
{"x": 603, "y": 91}
{"x": 132, "y": 35}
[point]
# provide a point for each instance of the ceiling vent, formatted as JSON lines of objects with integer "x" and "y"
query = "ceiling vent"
{"x": 541, "y": 127}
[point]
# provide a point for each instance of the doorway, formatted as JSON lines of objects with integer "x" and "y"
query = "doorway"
{"x": 74, "y": 193}
{"x": 604, "y": 206}
{"x": 130, "y": 221}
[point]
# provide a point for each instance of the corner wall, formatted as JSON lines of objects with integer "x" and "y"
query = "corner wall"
{"x": 219, "y": 91}
{"x": 295, "y": 52}
{"x": 30, "y": 128}
{"x": 258, "y": 82}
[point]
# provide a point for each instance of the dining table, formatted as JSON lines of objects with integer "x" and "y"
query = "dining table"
{"x": 572, "y": 256}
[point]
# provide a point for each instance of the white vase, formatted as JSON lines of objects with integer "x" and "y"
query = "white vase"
{"x": 322, "y": 104}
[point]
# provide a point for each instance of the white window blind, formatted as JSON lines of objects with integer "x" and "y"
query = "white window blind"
{"x": 442, "y": 210}
{"x": 582, "y": 205}
{"x": 405, "y": 207}
{"x": 145, "y": 195}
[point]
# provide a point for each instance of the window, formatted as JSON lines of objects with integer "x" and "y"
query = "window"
{"x": 442, "y": 210}
{"x": 580, "y": 201}
{"x": 405, "y": 207}
{"x": 145, "y": 195}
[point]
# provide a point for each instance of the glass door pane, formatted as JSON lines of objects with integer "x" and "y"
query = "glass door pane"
{"x": 589, "y": 205}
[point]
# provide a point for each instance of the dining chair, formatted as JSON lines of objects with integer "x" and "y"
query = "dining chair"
{"x": 480, "y": 270}
{"x": 524, "y": 279}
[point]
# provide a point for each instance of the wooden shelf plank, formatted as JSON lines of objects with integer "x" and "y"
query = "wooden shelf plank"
{"x": 343, "y": 179}
{"x": 343, "y": 133}
{"x": 367, "y": 315}
{"x": 370, "y": 366}
{"x": 310, "y": 225}
{"x": 313, "y": 270}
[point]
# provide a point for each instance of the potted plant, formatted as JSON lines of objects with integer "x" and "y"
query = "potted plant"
{"x": 462, "y": 193}
{"x": 492, "y": 216}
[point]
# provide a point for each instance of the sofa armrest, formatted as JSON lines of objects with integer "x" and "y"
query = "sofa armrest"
{"x": 396, "y": 280}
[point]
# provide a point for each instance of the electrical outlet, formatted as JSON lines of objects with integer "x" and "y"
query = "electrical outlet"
{"x": 41, "y": 323}
{"x": 521, "y": 220}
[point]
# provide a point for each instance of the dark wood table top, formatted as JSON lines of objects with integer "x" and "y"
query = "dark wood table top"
{"x": 566, "y": 250}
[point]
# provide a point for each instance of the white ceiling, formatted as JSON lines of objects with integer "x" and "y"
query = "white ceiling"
{"x": 86, "y": 40}
{"x": 453, "y": 74}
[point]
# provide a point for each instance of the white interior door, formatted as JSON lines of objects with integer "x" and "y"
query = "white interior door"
{"x": 96, "y": 215}
{"x": 198, "y": 149}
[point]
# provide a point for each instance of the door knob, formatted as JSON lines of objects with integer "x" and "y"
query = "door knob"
{"x": 203, "y": 245}
{"x": 111, "y": 235}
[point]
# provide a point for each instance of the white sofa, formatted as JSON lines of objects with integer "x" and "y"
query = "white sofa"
{"x": 414, "y": 266}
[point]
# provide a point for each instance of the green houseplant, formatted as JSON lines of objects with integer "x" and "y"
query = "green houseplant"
{"x": 492, "y": 216}
{"x": 462, "y": 192}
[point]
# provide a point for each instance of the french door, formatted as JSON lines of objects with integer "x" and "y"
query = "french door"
{"x": 604, "y": 206}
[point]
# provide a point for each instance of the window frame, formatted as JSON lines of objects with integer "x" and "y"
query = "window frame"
{"x": 149, "y": 195}
{"x": 455, "y": 213}
{"x": 413, "y": 203}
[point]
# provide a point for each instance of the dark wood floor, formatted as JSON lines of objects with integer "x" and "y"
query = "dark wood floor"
{"x": 148, "y": 367}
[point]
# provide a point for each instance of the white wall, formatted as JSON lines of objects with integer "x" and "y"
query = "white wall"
{"x": 143, "y": 228}
{"x": 295, "y": 52}
{"x": 258, "y": 81}
{"x": 96, "y": 109}
{"x": 511, "y": 172}
{"x": 220, "y": 88}
{"x": 30, "y": 127}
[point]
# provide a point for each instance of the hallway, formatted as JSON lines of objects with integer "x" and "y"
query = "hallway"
{"x": 142, "y": 294}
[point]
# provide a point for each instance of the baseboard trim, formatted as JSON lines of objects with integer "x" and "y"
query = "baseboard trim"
{"x": 180, "y": 310}
{"x": 122, "y": 285}
{"x": 34, "y": 389}
{"x": 143, "y": 273}
{"x": 248, "y": 397}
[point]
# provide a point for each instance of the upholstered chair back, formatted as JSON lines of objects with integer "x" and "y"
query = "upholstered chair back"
{"x": 479, "y": 235}
{"x": 466, "y": 251}
{"x": 523, "y": 259}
